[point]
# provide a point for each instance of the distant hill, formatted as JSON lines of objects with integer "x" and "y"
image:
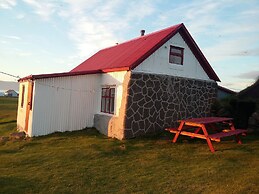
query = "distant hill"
{"x": 8, "y": 85}
{"x": 251, "y": 92}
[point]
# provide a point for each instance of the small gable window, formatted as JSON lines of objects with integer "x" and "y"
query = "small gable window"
{"x": 107, "y": 102}
{"x": 176, "y": 55}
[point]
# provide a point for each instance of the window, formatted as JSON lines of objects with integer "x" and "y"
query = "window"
{"x": 176, "y": 55}
{"x": 22, "y": 101}
{"x": 107, "y": 102}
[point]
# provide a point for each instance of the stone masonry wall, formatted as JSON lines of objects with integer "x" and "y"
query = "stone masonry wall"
{"x": 157, "y": 101}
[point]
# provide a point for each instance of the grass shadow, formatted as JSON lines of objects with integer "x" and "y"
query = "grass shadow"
{"x": 10, "y": 184}
{"x": 80, "y": 133}
{"x": 9, "y": 151}
{"x": 7, "y": 122}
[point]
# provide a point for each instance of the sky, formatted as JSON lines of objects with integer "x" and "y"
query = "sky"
{"x": 52, "y": 36}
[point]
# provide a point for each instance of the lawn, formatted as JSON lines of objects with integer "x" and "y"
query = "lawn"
{"x": 88, "y": 162}
{"x": 8, "y": 112}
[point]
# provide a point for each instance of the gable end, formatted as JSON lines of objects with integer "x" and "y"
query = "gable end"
{"x": 198, "y": 54}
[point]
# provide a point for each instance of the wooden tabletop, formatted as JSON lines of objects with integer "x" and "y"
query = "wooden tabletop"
{"x": 206, "y": 120}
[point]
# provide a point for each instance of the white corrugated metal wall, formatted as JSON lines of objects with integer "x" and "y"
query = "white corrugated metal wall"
{"x": 64, "y": 103}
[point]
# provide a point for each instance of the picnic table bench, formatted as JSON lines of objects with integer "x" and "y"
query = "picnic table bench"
{"x": 192, "y": 127}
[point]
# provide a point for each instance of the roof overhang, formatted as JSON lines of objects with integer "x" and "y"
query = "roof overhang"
{"x": 66, "y": 74}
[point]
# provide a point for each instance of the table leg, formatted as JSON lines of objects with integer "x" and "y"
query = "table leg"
{"x": 232, "y": 127}
{"x": 179, "y": 131}
{"x": 238, "y": 140}
{"x": 207, "y": 138}
{"x": 196, "y": 131}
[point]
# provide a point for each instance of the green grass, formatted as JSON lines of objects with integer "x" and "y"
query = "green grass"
{"x": 8, "y": 114}
{"x": 87, "y": 162}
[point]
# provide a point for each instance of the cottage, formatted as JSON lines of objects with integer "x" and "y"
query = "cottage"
{"x": 11, "y": 93}
{"x": 131, "y": 89}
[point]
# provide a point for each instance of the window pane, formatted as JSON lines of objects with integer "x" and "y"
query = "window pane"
{"x": 112, "y": 92}
{"x": 112, "y": 105}
{"x": 176, "y": 50}
{"x": 103, "y": 91}
{"x": 103, "y": 105}
{"x": 107, "y": 94}
{"x": 107, "y": 105}
{"x": 176, "y": 59}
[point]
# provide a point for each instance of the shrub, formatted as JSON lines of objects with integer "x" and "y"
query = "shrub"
{"x": 236, "y": 108}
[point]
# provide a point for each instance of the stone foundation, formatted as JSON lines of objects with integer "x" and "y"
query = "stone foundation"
{"x": 155, "y": 102}
{"x": 109, "y": 125}
{"x": 101, "y": 122}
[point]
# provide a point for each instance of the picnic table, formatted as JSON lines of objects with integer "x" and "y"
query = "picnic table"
{"x": 210, "y": 128}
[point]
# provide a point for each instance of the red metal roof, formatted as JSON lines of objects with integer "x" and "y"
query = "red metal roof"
{"x": 128, "y": 55}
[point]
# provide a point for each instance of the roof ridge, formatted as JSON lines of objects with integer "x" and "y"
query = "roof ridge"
{"x": 145, "y": 36}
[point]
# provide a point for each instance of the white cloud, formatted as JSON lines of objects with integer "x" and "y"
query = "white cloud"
{"x": 197, "y": 15}
{"x": 209, "y": 17}
{"x": 237, "y": 84}
{"x": 138, "y": 11}
{"x": 24, "y": 54}
{"x": 107, "y": 9}
{"x": 7, "y": 4}
{"x": 225, "y": 48}
{"x": 42, "y": 8}
{"x": 90, "y": 36}
{"x": 74, "y": 8}
{"x": 97, "y": 24}
{"x": 227, "y": 28}
{"x": 94, "y": 24}
{"x": 11, "y": 37}
{"x": 201, "y": 15}
{"x": 249, "y": 75}
{"x": 3, "y": 41}
{"x": 20, "y": 16}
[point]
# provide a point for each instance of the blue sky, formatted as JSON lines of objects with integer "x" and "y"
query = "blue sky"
{"x": 49, "y": 36}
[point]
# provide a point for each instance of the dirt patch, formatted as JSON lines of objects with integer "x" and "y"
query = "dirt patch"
{"x": 17, "y": 136}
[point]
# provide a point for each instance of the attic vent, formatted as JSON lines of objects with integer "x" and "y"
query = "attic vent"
{"x": 142, "y": 32}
